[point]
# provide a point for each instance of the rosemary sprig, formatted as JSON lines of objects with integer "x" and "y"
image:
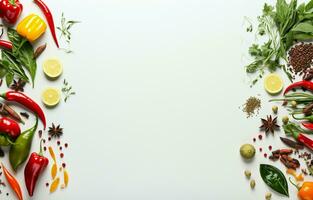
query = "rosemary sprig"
{"x": 65, "y": 27}
{"x": 67, "y": 90}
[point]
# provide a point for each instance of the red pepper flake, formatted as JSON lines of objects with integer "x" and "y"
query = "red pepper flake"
{"x": 63, "y": 165}
{"x": 260, "y": 149}
{"x": 254, "y": 139}
{"x": 270, "y": 147}
{"x": 61, "y": 155}
{"x": 47, "y": 184}
{"x": 40, "y": 133}
{"x": 260, "y": 137}
{"x": 265, "y": 155}
{"x": 66, "y": 145}
{"x": 58, "y": 142}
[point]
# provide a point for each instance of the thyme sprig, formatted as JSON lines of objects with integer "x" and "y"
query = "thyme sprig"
{"x": 67, "y": 90}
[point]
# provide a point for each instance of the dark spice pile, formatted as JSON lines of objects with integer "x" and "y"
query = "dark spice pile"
{"x": 300, "y": 58}
{"x": 251, "y": 106}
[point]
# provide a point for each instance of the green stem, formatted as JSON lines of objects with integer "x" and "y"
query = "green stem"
{"x": 292, "y": 183}
{"x": 40, "y": 151}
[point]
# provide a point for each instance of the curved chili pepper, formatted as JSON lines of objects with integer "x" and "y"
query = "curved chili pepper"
{"x": 305, "y": 192}
{"x": 46, "y": 11}
{"x": 6, "y": 44}
{"x": 304, "y": 84}
{"x": 27, "y": 102}
{"x": 10, "y": 10}
{"x": 10, "y": 127}
{"x": 308, "y": 125}
{"x": 13, "y": 183}
{"x": 19, "y": 151}
{"x": 36, "y": 164}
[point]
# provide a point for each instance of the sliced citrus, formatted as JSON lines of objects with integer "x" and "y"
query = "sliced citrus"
{"x": 51, "y": 96}
{"x": 52, "y": 67}
{"x": 273, "y": 84}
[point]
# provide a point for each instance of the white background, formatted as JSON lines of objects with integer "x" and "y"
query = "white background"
{"x": 159, "y": 84}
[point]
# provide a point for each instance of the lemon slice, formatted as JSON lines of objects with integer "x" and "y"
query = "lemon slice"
{"x": 52, "y": 67}
{"x": 273, "y": 84}
{"x": 51, "y": 96}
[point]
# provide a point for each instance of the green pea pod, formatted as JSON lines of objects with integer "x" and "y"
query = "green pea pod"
{"x": 21, "y": 148}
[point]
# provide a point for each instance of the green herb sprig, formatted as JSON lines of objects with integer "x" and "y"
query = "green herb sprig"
{"x": 67, "y": 90}
{"x": 65, "y": 27}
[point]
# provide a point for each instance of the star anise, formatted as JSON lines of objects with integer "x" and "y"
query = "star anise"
{"x": 269, "y": 124}
{"x": 18, "y": 85}
{"x": 55, "y": 131}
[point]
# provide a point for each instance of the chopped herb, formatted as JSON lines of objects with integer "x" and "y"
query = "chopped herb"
{"x": 65, "y": 27}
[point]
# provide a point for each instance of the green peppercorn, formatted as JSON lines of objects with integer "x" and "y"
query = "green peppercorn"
{"x": 252, "y": 184}
{"x": 293, "y": 104}
{"x": 275, "y": 109}
{"x": 247, "y": 174}
{"x": 268, "y": 196}
{"x": 285, "y": 120}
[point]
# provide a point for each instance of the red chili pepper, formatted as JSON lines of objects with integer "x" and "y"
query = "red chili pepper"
{"x": 10, "y": 10}
{"x": 13, "y": 183}
{"x": 6, "y": 44}
{"x": 46, "y": 11}
{"x": 10, "y": 127}
{"x": 27, "y": 102}
{"x": 308, "y": 125}
{"x": 305, "y": 84}
{"x": 303, "y": 139}
{"x": 36, "y": 164}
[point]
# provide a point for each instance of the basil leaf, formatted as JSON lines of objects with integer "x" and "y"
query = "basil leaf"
{"x": 12, "y": 65}
{"x": 9, "y": 78}
{"x": 23, "y": 51}
{"x": 302, "y": 36}
{"x": 303, "y": 27}
{"x": 274, "y": 178}
{"x": 309, "y": 6}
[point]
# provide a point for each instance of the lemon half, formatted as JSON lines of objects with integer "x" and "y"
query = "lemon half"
{"x": 52, "y": 67}
{"x": 51, "y": 96}
{"x": 273, "y": 84}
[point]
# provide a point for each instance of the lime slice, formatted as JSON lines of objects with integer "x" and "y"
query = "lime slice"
{"x": 273, "y": 84}
{"x": 52, "y": 67}
{"x": 51, "y": 96}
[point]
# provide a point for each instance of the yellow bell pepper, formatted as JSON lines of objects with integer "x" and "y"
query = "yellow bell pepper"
{"x": 31, "y": 27}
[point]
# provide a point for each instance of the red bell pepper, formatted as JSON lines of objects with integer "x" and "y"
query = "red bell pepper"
{"x": 10, "y": 10}
{"x": 36, "y": 164}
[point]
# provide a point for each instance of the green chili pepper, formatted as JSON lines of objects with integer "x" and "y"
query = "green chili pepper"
{"x": 5, "y": 140}
{"x": 308, "y": 118}
{"x": 21, "y": 148}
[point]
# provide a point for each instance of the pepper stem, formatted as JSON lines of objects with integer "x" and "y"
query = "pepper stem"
{"x": 297, "y": 118}
{"x": 292, "y": 183}
{"x": 40, "y": 151}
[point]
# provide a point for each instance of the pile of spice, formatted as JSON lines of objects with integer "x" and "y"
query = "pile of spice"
{"x": 300, "y": 58}
{"x": 252, "y": 106}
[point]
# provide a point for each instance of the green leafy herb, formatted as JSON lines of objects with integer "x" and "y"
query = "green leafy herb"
{"x": 23, "y": 52}
{"x": 274, "y": 178}
{"x": 67, "y": 90}
{"x": 65, "y": 28}
{"x": 283, "y": 25}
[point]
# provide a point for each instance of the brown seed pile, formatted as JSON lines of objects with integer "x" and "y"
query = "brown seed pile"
{"x": 300, "y": 58}
{"x": 252, "y": 105}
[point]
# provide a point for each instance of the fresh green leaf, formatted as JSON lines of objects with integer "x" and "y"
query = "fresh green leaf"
{"x": 274, "y": 178}
{"x": 309, "y": 6}
{"x": 9, "y": 78}
{"x": 302, "y": 36}
{"x": 303, "y": 27}
{"x": 12, "y": 66}
{"x": 23, "y": 51}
